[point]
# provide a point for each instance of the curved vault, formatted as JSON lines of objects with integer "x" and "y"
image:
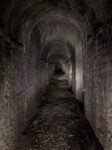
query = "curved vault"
{"x": 65, "y": 22}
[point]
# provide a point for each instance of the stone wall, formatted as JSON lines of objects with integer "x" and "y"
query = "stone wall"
{"x": 98, "y": 85}
{"x": 102, "y": 9}
{"x": 21, "y": 86}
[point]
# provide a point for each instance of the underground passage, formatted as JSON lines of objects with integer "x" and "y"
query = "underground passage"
{"x": 55, "y": 75}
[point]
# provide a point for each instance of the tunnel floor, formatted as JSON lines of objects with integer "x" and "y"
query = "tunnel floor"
{"x": 59, "y": 123}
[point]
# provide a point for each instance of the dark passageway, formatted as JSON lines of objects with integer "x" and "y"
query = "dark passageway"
{"x": 55, "y": 74}
{"x": 59, "y": 123}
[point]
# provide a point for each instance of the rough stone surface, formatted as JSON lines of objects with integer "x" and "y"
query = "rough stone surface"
{"x": 21, "y": 86}
{"x": 98, "y": 85}
{"x": 102, "y": 9}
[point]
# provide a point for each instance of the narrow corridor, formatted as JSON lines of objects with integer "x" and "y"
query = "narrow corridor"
{"x": 59, "y": 123}
{"x": 40, "y": 110}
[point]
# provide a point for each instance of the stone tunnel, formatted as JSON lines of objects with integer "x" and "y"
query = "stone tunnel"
{"x": 39, "y": 38}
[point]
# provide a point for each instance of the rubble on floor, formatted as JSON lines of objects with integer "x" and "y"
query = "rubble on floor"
{"x": 59, "y": 123}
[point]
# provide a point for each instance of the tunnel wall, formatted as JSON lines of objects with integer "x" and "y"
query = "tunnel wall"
{"x": 79, "y": 73}
{"x": 51, "y": 69}
{"x": 67, "y": 68}
{"x": 21, "y": 86}
{"x": 98, "y": 86}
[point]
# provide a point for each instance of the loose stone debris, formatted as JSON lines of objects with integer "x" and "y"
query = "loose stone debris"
{"x": 59, "y": 123}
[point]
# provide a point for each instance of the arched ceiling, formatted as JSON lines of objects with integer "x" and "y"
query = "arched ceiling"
{"x": 31, "y": 12}
{"x": 57, "y": 47}
{"x": 58, "y": 58}
{"x": 61, "y": 24}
